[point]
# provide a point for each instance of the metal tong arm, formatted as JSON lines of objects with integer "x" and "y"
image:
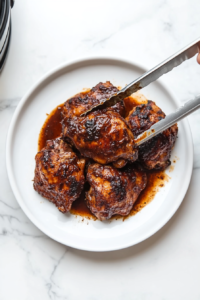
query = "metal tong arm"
{"x": 150, "y": 76}
{"x": 162, "y": 68}
{"x": 171, "y": 119}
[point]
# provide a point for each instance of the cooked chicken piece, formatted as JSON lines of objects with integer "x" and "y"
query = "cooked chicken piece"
{"x": 59, "y": 174}
{"x": 120, "y": 163}
{"x": 134, "y": 100}
{"x": 113, "y": 191}
{"x": 102, "y": 135}
{"x": 156, "y": 153}
{"x": 84, "y": 101}
{"x": 118, "y": 108}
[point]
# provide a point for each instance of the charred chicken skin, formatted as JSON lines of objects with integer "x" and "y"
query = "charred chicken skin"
{"x": 59, "y": 174}
{"x": 102, "y": 135}
{"x": 155, "y": 153}
{"x": 84, "y": 101}
{"x": 113, "y": 191}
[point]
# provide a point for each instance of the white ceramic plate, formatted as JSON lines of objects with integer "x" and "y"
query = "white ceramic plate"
{"x": 22, "y": 141}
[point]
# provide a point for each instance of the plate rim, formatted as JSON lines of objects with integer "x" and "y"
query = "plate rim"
{"x": 34, "y": 87}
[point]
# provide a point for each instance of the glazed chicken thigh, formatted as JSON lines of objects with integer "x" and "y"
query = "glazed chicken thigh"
{"x": 143, "y": 116}
{"x": 113, "y": 191}
{"x": 102, "y": 135}
{"x": 84, "y": 101}
{"x": 59, "y": 174}
{"x": 155, "y": 153}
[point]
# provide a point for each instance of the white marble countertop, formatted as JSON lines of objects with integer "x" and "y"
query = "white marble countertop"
{"x": 45, "y": 34}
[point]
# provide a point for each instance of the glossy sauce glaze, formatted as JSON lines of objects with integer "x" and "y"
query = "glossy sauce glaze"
{"x": 52, "y": 129}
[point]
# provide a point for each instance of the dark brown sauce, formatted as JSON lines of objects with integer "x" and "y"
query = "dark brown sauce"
{"x": 52, "y": 127}
{"x": 156, "y": 179}
{"x": 79, "y": 206}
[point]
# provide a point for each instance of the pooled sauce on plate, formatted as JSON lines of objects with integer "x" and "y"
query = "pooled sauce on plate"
{"x": 155, "y": 181}
{"x": 52, "y": 129}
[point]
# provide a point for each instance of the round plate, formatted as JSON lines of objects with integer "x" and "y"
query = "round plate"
{"x": 22, "y": 140}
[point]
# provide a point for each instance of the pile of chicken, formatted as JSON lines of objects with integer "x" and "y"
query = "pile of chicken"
{"x": 99, "y": 148}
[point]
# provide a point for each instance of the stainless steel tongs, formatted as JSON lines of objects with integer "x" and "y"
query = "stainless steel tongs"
{"x": 150, "y": 76}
